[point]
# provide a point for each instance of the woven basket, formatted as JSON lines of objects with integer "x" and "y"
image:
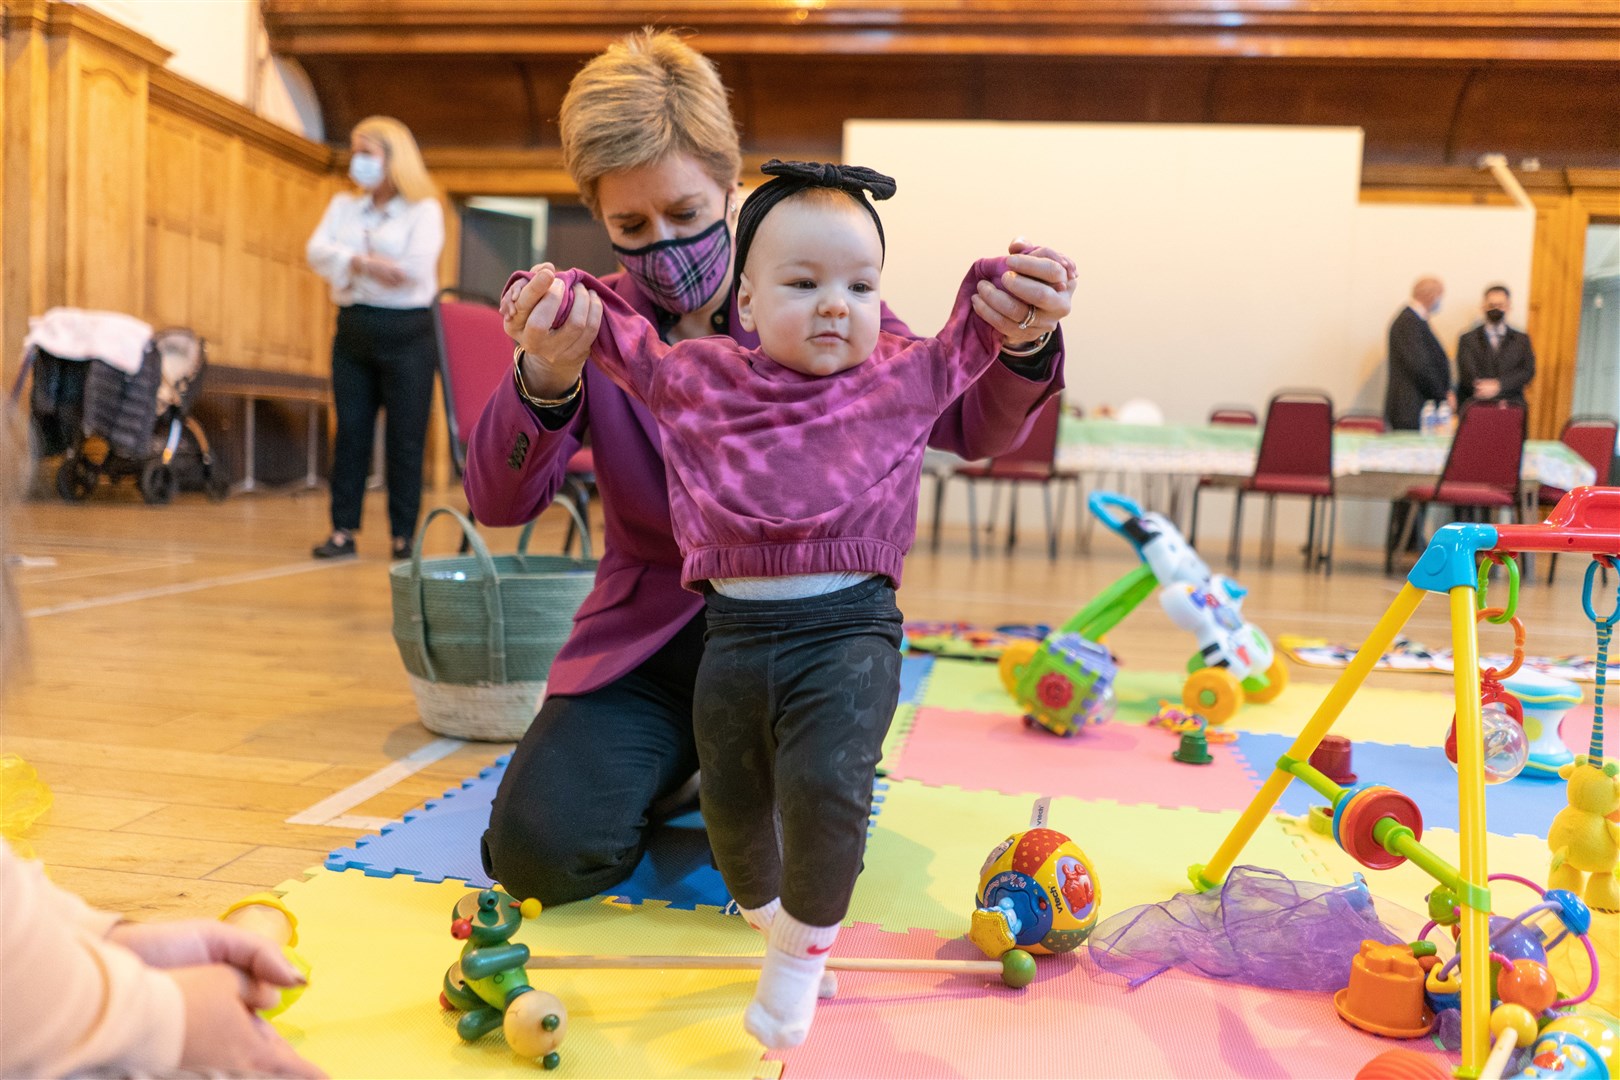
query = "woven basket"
{"x": 478, "y": 632}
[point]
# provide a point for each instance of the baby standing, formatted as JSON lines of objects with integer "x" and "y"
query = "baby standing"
{"x": 793, "y": 474}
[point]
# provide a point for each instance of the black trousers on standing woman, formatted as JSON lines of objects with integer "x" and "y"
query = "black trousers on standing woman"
{"x": 382, "y": 358}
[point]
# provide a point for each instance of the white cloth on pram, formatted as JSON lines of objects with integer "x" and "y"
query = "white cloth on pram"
{"x": 82, "y": 334}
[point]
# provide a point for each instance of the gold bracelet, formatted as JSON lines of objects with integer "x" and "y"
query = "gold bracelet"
{"x": 541, "y": 403}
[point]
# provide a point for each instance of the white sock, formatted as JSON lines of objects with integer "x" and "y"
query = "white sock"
{"x": 785, "y": 1003}
{"x": 762, "y": 917}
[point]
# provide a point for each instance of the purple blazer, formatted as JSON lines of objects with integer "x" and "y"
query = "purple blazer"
{"x": 515, "y": 466}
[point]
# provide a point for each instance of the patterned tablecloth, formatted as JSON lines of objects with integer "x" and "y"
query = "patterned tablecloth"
{"x": 1105, "y": 446}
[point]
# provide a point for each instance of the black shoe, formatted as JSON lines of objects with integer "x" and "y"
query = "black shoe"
{"x": 401, "y": 548}
{"x": 340, "y": 546}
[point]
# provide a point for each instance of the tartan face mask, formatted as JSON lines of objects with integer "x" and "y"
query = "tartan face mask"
{"x": 682, "y": 274}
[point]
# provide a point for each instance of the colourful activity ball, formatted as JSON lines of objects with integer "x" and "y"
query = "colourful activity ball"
{"x": 1046, "y": 885}
{"x": 1527, "y": 983}
{"x": 1506, "y": 746}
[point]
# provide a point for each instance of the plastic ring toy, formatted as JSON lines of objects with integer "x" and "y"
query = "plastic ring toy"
{"x": 1336, "y": 816}
{"x": 1499, "y": 616}
{"x": 1355, "y": 820}
{"x": 1518, "y": 643}
{"x": 1214, "y": 693}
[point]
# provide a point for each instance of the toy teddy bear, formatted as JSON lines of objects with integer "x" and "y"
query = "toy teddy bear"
{"x": 1585, "y": 836}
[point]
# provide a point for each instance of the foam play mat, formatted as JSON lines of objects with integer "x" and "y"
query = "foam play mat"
{"x": 1408, "y": 655}
{"x": 962, "y": 774}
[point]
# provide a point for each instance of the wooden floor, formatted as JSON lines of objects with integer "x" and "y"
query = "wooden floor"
{"x": 198, "y": 679}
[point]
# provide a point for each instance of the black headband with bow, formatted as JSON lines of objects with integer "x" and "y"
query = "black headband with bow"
{"x": 789, "y": 178}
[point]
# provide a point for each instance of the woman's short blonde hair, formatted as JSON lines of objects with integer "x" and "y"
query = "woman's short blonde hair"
{"x": 405, "y": 168}
{"x": 647, "y": 96}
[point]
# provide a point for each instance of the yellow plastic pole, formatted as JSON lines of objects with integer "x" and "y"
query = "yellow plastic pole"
{"x": 1475, "y": 942}
{"x": 1406, "y": 602}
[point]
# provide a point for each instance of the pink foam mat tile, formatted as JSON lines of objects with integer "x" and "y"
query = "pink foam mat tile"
{"x": 1127, "y": 763}
{"x": 1071, "y": 1022}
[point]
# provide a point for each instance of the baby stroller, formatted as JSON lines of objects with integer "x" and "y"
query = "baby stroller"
{"x": 125, "y": 420}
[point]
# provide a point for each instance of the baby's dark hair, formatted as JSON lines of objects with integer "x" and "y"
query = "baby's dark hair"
{"x": 794, "y": 178}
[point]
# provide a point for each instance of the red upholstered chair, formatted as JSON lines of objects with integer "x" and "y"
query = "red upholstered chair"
{"x": 1366, "y": 423}
{"x": 1233, "y": 414}
{"x": 1033, "y": 462}
{"x": 1295, "y": 458}
{"x": 475, "y": 357}
{"x": 1220, "y": 416}
{"x": 1481, "y": 473}
{"x": 1592, "y": 437}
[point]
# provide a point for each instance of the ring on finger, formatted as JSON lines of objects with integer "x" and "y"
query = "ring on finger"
{"x": 1029, "y": 318}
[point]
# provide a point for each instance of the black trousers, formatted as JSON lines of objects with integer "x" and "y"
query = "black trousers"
{"x": 793, "y": 700}
{"x": 573, "y": 813}
{"x": 381, "y": 358}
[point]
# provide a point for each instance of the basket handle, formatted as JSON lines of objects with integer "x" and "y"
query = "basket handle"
{"x": 490, "y": 584}
{"x": 579, "y": 523}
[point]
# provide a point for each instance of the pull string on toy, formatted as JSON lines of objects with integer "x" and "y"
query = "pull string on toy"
{"x": 1605, "y": 628}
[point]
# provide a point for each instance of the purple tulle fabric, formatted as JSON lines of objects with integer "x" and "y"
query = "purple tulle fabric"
{"x": 1260, "y": 928}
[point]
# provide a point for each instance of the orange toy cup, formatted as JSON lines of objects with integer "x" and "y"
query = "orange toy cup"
{"x": 1385, "y": 995}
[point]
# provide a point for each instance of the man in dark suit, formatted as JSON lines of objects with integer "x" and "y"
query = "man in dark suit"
{"x": 1494, "y": 361}
{"x": 1419, "y": 372}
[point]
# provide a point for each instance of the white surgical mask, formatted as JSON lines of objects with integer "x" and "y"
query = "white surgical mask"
{"x": 367, "y": 170}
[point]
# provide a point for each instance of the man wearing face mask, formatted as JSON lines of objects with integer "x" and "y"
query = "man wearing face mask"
{"x": 379, "y": 248}
{"x": 1494, "y": 361}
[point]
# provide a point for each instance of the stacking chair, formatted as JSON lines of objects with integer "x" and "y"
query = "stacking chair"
{"x": 475, "y": 357}
{"x": 1592, "y": 437}
{"x": 1367, "y": 423}
{"x": 1235, "y": 415}
{"x": 1295, "y": 458}
{"x": 1220, "y": 416}
{"x": 1034, "y": 462}
{"x": 1481, "y": 475}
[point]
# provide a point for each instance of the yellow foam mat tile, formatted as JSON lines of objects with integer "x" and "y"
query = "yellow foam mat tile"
{"x": 1375, "y": 714}
{"x": 1406, "y": 886}
{"x": 923, "y": 859}
{"x": 379, "y": 947}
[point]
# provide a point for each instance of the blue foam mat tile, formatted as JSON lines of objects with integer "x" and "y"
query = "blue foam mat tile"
{"x": 440, "y": 841}
{"x": 914, "y": 672}
{"x": 1520, "y": 807}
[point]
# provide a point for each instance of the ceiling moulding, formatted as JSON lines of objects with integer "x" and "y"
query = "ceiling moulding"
{"x": 1352, "y": 30}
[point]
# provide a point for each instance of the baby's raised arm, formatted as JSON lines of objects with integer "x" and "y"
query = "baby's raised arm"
{"x": 626, "y": 346}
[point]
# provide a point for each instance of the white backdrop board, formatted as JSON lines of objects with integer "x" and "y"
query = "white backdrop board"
{"x": 1214, "y": 260}
{"x": 1218, "y": 263}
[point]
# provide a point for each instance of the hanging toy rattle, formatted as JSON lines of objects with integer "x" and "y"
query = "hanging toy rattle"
{"x": 1507, "y": 747}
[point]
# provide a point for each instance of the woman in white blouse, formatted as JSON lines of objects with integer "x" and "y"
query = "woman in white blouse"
{"x": 379, "y": 249}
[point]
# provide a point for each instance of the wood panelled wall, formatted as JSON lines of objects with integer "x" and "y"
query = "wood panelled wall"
{"x": 132, "y": 189}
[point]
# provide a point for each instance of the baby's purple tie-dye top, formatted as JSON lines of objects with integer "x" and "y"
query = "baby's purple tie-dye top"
{"x": 772, "y": 472}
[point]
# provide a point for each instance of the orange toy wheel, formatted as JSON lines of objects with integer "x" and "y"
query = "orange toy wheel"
{"x": 1213, "y": 693}
{"x": 1014, "y": 659}
{"x": 1276, "y": 682}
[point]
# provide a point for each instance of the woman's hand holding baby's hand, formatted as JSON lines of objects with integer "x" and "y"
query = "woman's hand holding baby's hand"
{"x": 1033, "y": 296}
{"x": 552, "y": 358}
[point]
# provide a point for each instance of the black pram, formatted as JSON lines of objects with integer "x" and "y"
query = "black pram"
{"x": 116, "y": 423}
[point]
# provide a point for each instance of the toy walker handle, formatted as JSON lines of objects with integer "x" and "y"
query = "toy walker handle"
{"x": 1101, "y": 502}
